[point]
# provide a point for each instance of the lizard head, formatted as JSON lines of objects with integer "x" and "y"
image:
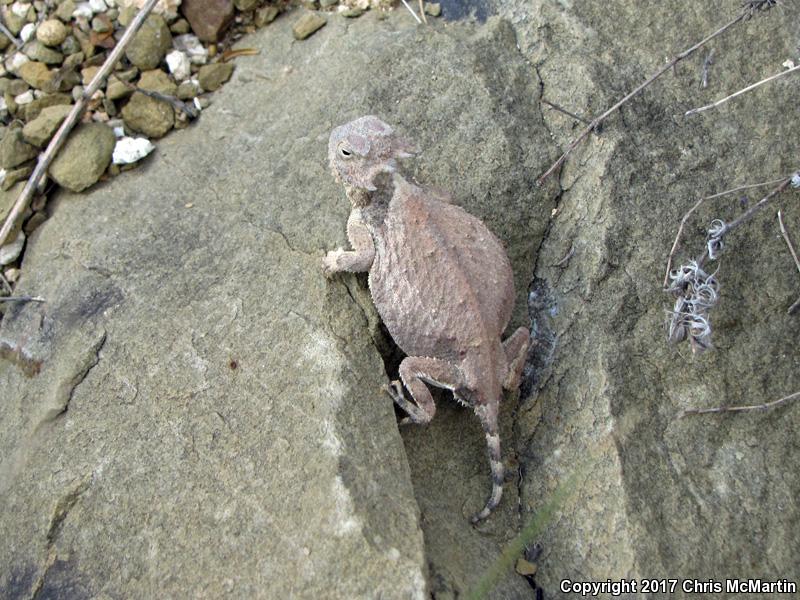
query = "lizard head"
{"x": 362, "y": 149}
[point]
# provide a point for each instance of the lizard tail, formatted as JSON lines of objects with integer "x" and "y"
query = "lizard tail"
{"x": 489, "y": 422}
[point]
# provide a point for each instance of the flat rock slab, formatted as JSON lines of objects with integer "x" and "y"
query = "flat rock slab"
{"x": 195, "y": 411}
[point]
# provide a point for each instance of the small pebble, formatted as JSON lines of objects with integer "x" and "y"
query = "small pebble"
{"x": 15, "y": 61}
{"x": 25, "y": 98}
{"x": 307, "y": 24}
{"x": 98, "y": 6}
{"x": 20, "y": 9}
{"x": 65, "y": 10}
{"x": 101, "y": 25}
{"x": 265, "y": 15}
{"x": 129, "y": 150}
{"x": 51, "y": 32}
{"x": 10, "y": 252}
{"x": 180, "y": 27}
{"x": 433, "y": 9}
{"x": 28, "y": 31}
{"x": 179, "y": 65}
{"x": 70, "y": 45}
{"x": 83, "y": 11}
{"x": 11, "y": 274}
{"x": 190, "y": 45}
{"x": 524, "y": 567}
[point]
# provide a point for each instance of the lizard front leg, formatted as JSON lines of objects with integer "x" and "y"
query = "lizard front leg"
{"x": 360, "y": 258}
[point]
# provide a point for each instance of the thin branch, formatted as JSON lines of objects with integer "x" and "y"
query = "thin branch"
{"x": 61, "y": 135}
{"x": 565, "y": 111}
{"x": 696, "y": 206}
{"x": 694, "y": 111}
{"x": 411, "y": 10}
{"x": 4, "y": 30}
{"x": 726, "y": 409}
{"x": 786, "y": 237}
{"x": 190, "y": 110}
{"x": 567, "y": 256}
{"x": 746, "y": 13}
{"x": 5, "y": 283}
{"x": 22, "y": 299}
{"x": 751, "y": 212}
{"x": 422, "y": 11}
{"x": 706, "y": 65}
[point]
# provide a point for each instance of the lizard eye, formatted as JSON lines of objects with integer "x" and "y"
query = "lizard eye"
{"x": 344, "y": 150}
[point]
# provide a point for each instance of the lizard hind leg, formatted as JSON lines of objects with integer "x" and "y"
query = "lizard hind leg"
{"x": 417, "y": 373}
{"x": 516, "y": 349}
{"x": 488, "y": 417}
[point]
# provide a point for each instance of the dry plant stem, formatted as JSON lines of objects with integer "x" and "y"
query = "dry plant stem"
{"x": 724, "y": 409}
{"x": 591, "y": 127}
{"x": 740, "y": 92}
{"x": 786, "y": 237}
{"x": 706, "y": 65}
{"x": 750, "y": 212}
{"x": 5, "y": 283}
{"x": 60, "y": 137}
{"x": 22, "y": 299}
{"x": 565, "y": 111}
{"x": 422, "y": 11}
{"x": 695, "y": 207}
{"x": 411, "y": 10}
{"x": 10, "y": 35}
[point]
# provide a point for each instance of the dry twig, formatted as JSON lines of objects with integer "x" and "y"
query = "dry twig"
{"x": 61, "y": 135}
{"x": 726, "y": 228}
{"x": 422, "y": 11}
{"x": 4, "y": 30}
{"x": 411, "y": 10}
{"x": 785, "y": 235}
{"x": 740, "y": 92}
{"x": 726, "y": 409}
{"x": 560, "y": 109}
{"x": 22, "y": 299}
{"x": 706, "y": 65}
{"x": 749, "y": 9}
{"x": 697, "y": 292}
{"x": 696, "y": 206}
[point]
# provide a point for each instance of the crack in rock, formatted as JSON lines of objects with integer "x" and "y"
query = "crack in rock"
{"x": 66, "y": 390}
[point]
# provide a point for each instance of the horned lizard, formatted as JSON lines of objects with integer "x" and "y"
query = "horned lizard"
{"x": 440, "y": 280}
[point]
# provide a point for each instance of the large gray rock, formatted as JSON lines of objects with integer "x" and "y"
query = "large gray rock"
{"x": 694, "y": 498}
{"x": 196, "y": 409}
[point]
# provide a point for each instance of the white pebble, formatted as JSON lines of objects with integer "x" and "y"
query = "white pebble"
{"x": 83, "y": 10}
{"x": 128, "y": 150}
{"x": 179, "y": 65}
{"x": 3, "y": 107}
{"x": 12, "y": 275}
{"x": 20, "y": 9}
{"x": 27, "y": 32}
{"x": 15, "y": 61}
{"x": 10, "y": 252}
{"x": 191, "y": 45}
{"x": 98, "y": 6}
{"x": 24, "y": 98}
